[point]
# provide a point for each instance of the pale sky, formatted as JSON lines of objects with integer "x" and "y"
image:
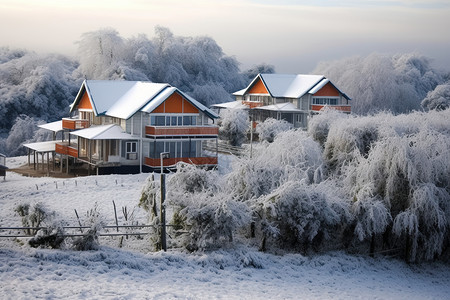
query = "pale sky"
{"x": 291, "y": 35}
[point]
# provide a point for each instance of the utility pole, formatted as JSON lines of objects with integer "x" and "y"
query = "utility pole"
{"x": 163, "y": 155}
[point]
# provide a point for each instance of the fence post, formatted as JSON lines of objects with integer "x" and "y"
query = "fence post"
{"x": 163, "y": 212}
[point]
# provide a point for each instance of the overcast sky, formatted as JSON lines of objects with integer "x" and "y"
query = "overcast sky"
{"x": 291, "y": 35}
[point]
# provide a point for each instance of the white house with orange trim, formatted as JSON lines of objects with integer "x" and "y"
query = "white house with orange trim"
{"x": 289, "y": 97}
{"x": 124, "y": 126}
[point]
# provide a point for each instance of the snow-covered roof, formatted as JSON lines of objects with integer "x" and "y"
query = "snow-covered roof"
{"x": 53, "y": 126}
{"x": 47, "y": 146}
{"x": 289, "y": 85}
{"x": 122, "y": 99}
{"x": 103, "y": 132}
{"x": 232, "y": 105}
{"x": 135, "y": 98}
{"x": 288, "y": 107}
{"x": 240, "y": 92}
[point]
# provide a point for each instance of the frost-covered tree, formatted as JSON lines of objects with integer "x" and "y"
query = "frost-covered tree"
{"x": 251, "y": 73}
{"x": 268, "y": 129}
{"x": 381, "y": 82}
{"x": 24, "y": 130}
{"x": 233, "y": 126}
{"x": 36, "y": 85}
{"x": 438, "y": 99}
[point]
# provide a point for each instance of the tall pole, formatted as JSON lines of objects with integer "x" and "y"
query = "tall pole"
{"x": 163, "y": 212}
{"x": 163, "y": 155}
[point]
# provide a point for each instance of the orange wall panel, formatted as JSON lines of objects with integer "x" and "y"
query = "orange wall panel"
{"x": 327, "y": 90}
{"x": 174, "y": 104}
{"x": 258, "y": 88}
{"x": 159, "y": 109}
{"x": 189, "y": 108}
{"x": 85, "y": 103}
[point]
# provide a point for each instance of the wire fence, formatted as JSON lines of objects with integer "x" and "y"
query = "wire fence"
{"x": 81, "y": 228}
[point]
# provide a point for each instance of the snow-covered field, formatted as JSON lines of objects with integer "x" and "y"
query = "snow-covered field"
{"x": 133, "y": 272}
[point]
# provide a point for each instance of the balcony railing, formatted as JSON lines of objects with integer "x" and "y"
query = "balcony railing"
{"x": 74, "y": 123}
{"x": 168, "y": 162}
{"x": 63, "y": 148}
{"x": 252, "y": 104}
{"x": 180, "y": 131}
{"x": 343, "y": 108}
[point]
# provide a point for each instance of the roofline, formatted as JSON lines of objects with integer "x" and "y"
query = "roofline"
{"x": 253, "y": 81}
{"x": 84, "y": 87}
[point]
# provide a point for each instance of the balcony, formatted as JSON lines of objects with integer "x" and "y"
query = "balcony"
{"x": 74, "y": 123}
{"x": 252, "y": 104}
{"x": 64, "y": 148}
{"x": 343, "y": 108}
{"x": 169, "y": 162}
{"x": 182, "y": 131}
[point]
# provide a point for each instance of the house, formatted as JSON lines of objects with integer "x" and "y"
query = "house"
{"x": 288, "y": 97}
{"x": 124, "y": 126}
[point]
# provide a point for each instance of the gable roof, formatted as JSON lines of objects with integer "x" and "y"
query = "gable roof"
{"x": 289, "y": 85}
{"x": 122, "y": 99}
{"x": 164, "y": 95}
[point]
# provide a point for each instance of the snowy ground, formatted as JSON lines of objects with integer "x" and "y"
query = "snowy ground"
{"x": 132, "y": 272}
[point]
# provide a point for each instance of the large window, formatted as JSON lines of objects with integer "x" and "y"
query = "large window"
{"x": 175, "y": 120}
{"x": 175, "y": 148}
{"x": 325, "y": 101}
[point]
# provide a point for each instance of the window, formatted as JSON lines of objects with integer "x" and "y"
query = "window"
{"x": 131, "y": 147}
{"x": 325, "y": 101}
{"x": 131, "y": 150}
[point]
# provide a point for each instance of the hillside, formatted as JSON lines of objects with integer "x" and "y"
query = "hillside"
{"x": 133, "y": 272}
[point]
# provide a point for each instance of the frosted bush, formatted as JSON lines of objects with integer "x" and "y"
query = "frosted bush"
{"x": 371, "y": 215}
{"x": 319, "y": 125}
{"x": 268, "y": 129}
{"x": 292, "y": 156}
{"x": 438, "y": 99}
{"x": 302, "y": 216}
{"x": 201, "y": 207}
{"x": 234, "y": 124}
{"x": 211, "y": 219}
{"x": 407, "y": 170}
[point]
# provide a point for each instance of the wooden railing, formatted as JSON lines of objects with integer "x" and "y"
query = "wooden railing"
{"x": 168, "y": 162}
{"x": 177, "y": 130}
{"x": 252, "y": 104}
{"x": 74, "y": 123}
{"x": 66, "y": 149}
{"x": 343, "y": 108}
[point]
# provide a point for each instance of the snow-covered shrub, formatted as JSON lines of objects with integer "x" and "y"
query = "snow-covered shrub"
{"x": 33, "y": 215}
{"x": 210, "y": 215}
{"x": 425, "y": 224}
{"x": 292, "y": 156}
{"x": 89, "y": 240}
{"x": 268, "y": 129}
{"x": 191, "y": 179}
{"x": 438, "y": 99}
{"x": 37, "y": 215}
{"x": 233, "y": 126}
{"x": 408, "y": 169}
{"x": 49, "y": 237}
{"x": 211, "y": 219}
{"x": 299, "y": 216}
{"x": 150, "y": 196}
{"x": 319, "y": 125}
